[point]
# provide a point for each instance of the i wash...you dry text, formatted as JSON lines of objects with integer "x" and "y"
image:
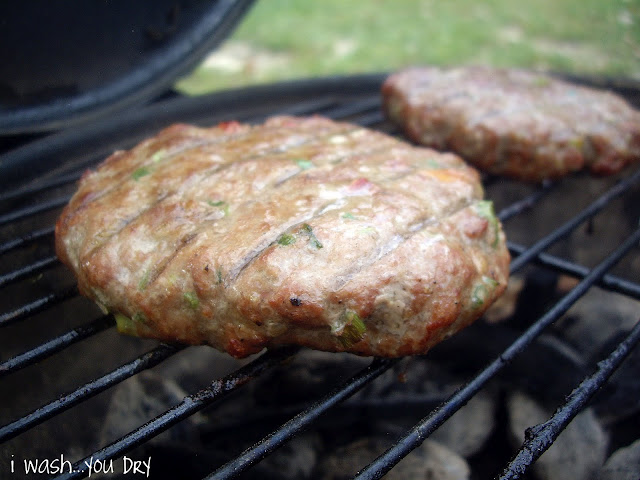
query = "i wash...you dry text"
{"x": 93, "y": 466}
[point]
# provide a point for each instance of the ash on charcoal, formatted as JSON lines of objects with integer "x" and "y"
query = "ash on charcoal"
{"x": 624, "y": 464}
{"x": 595, "y": 326}
{"x": 407, "y": 392}
{"x": 619, "y": 399}
{"x": 384, "y": 409}
{"x": 593, "y": 321}
{"x": 407, "y": 388}
{"x": 295, "y": 460}
{"x": 467, "y": 431}
{"x": 430, "y": 460}
{"x": 578, "y": 452}
{"x": 196, "y": 367}
{"x": 280, "y": 393}
{"x": 141, "y": 398}
{"x": 548, "y": 369}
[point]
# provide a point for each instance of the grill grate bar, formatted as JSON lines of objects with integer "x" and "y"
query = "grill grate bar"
{"x": 526, "y": 203}
{"x": 364, "y": 115}
{"x": 576, "y": 220}
{"x": 331, "y": 108}
{"x": 540, "y": 437}
{"x": 609, "y": 282}
{"x": 36, "y": 306}
{"x": 54, "y": 345}
{"x": 370, "y": 119}
{"x": 34, "y": 188}
{"x": 26, "y": 212}
{"x": 28, "y": 270}
{"x": 416, "y": 435}
{"x": 88, "y": 390}
{"x": 300, "y": 108}
{"x": 294, "y": 426}
{"x": 190, "y": 405}
{"x": 27, "y": 238}
{"x": 356, "y": 107}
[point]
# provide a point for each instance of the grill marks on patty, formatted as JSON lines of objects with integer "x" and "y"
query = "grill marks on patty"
{"x": 331, "y": 173}
{"x": 299, "y": 209}
{"x": 122, "y": 166}
{"x": 186, "y": 222}
{"x": 193, "y": 160}
{"x": 179, "y": 219}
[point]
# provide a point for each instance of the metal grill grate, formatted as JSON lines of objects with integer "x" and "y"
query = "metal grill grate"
{"x": 29, "y": 209}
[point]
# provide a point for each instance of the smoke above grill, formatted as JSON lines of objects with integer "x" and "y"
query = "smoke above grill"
{"x": 551, "y": 368}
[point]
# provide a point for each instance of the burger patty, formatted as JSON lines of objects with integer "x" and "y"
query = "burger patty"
{"x": 512, "y": 122}
{"x": 297, "y": 231}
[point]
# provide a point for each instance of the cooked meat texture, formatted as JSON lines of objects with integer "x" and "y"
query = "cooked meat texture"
{"x": 298, "y": 231}
{"x": 512, "y": 122}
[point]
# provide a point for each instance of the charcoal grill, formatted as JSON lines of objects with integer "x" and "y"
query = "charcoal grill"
{"x": 46, "y": 325}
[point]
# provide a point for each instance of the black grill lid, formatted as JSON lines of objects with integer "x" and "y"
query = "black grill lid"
{"x": 64, "y": 63}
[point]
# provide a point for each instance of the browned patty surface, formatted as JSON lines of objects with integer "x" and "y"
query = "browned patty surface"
{"x": 513, "y": 122}
{"x": 298, "y": 231}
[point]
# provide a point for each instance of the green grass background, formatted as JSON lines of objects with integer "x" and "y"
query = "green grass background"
{"x": 286, "y": 39}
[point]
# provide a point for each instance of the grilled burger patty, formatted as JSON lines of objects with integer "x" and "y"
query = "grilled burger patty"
{"x": 512, "y": 122}
{"x": 298, "y": 231}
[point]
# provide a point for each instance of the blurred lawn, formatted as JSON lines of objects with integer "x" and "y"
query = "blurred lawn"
{"x": 285, "y": 39}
